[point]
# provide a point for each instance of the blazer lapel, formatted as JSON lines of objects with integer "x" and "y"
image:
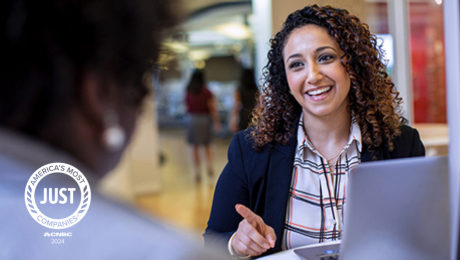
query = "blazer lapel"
{"x": 365, "y": 155}
{"x": 278, "y": 179}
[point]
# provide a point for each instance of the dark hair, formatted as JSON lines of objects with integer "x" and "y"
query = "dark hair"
{"x": 50, "y": 44}
{"x": 374, "y": 101}
{"x": 196, "y": 83}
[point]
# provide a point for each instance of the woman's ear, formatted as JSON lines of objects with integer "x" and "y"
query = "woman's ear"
{"x": 100, "y": 103}
{"x": 97, "y": 94}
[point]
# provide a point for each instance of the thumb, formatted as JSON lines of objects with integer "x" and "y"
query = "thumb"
{"x": 271, "y": 237}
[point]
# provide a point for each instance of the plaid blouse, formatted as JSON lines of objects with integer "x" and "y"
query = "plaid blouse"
{"x": 317, "y": 194}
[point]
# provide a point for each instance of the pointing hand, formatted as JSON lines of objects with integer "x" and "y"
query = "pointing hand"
{"x": 253, "y": 236}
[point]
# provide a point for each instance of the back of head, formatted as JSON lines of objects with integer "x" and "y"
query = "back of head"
{"x": 196, "y": 83}
{"x": 50, "y": 44}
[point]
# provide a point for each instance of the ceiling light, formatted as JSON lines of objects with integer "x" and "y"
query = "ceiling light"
{"x": 177, "y": 47}
{"x": 200, "y": 64}
{"x": 234, "y": 30}
{"x": 199, "y": 55}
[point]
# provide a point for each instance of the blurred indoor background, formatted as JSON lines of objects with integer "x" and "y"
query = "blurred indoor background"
{"x": 222, "y": 38}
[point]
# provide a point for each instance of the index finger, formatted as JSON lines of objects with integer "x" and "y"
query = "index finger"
{"x": 246, "y": 213}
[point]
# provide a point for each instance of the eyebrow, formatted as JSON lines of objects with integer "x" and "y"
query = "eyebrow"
{"x": 316, "y": 51}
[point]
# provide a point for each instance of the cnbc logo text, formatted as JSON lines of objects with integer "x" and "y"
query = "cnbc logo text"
{"x": 54, "y": 234}
{"x": 57, "y": 196}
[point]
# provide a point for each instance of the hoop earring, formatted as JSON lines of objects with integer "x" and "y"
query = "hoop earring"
{"x": 114, "y": 135}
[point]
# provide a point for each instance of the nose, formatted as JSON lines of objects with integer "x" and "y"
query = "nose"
{"x": 314, "y": 74}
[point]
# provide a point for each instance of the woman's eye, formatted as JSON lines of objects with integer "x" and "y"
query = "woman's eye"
{"x": 295, "y": 65}
{"x": 326, "y": 58}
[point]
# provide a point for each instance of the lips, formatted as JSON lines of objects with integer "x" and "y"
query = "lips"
{"x": 319, "y": 91}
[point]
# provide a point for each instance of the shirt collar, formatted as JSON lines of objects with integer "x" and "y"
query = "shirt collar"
{"x": 355, "y": 134}
{"x": 303, "y": 141}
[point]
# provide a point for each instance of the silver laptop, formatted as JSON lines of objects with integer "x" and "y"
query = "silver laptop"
{"x": 395, "y": 209}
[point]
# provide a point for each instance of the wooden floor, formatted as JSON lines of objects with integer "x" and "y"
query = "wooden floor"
{"x": 182, "y": 201}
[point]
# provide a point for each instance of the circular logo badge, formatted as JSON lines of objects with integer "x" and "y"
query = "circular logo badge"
{"x": 60, "y": 194}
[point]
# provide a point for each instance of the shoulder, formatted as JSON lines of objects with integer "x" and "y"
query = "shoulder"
{"x": 207, "y": 92}
{"x": 109, "y": 229}
{"x": 244, "y": 141}
{"x": 408, "y": 130}
{"x": 244, "y": 137}
{"x": 242, "y": 157}
{"x": 408, "y": 134}
{"x": 408, "y": 144}
{"x": 241, "y": 145}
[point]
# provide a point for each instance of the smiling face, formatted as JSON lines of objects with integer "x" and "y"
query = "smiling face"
{"x": 316, "y": 77}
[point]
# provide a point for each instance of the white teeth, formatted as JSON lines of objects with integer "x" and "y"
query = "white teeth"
{"x": 319, "y": 91}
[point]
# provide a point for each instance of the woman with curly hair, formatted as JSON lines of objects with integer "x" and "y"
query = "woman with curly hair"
{"x": 327, "y": 105}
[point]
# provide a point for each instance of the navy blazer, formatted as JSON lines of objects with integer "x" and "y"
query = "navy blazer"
{"x": 261, "y": 181}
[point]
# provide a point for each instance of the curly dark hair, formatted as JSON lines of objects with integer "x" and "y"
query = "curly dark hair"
{"x": 48, "y": 45}
{"x": 374, "y": 101}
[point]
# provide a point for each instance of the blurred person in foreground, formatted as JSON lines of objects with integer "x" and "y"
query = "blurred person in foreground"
{"x": 70, "y": 91}
{"x": 202, "y": 109}
{"x": 245, "y": 99}
{"x": 328, "y": 105}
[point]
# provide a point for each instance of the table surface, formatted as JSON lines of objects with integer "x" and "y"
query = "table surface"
{"x": 284, "y": 255}
{"x": 290, "y": 255}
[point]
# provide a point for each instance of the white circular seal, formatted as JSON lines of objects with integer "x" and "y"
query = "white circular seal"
{"x": 58, "y": 168}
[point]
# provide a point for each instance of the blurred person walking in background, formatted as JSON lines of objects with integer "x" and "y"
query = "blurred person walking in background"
{"x": 245, "y": 101}
{"x": 201, "y": 105}
{"x": 70, "y": 92}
